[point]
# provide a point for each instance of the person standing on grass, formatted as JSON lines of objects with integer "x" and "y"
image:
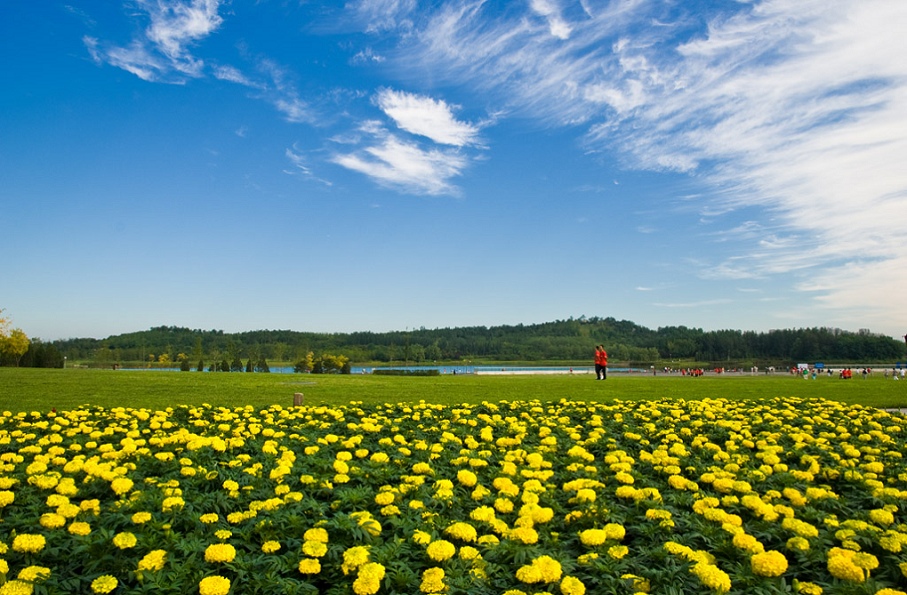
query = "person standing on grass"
{"x": 601, "y": 363}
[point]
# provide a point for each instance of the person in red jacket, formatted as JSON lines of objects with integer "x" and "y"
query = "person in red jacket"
{"x": 601, "y": 363}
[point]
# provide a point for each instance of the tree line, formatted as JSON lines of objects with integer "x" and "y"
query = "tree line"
{"x": 570, "y": 340}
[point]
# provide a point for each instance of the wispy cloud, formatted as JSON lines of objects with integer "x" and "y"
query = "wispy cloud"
{"x": 550, "y": 10}
{"x": 424, "y": 116}
{"x": 383, "y": 15}
{"x": 163, "y": 53}
{"x": 795, "y": 109}
{"x": 234, "y": 75}
{"x": 403, "y": 165}
{"x": 301, "y": 166}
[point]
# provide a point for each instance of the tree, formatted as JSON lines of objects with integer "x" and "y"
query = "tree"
{"x": 15, "y": 344}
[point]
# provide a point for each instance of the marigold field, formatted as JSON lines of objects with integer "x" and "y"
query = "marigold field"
{"x": 509, "y": 498}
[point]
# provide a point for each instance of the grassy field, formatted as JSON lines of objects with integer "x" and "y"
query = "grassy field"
{"x": 41, "y": 390}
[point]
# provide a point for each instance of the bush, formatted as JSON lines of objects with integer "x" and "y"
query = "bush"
{"x": 399, "y": 372}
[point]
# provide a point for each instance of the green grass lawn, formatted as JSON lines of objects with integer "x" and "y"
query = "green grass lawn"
{"x": 27, "y": 389}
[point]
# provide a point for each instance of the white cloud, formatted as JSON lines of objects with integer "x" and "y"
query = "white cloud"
{"x": 795, "y": 109}
{"x": 301, "y": 166}
{"x": 162, "y": 53}
{"x": 404, "y": 166}
{"x": 367, "y": 55}
{"x": 426, "y": 117}
{"x": 174, "y": 25}
{"x": 234, "y": 75}
{"x": 551, "y": 11}
{"x": 383, "y": 15}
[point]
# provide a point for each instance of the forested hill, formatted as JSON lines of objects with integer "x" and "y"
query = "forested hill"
{"x": 563, "y": 340}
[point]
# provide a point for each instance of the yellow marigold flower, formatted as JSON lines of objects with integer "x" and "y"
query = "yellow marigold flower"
{"x": 865, "y": 561}
{"x": 441, "y": 550}
{"x": 384, "y": 498}
{"x": 55, "y": 500}
{"x": 271, "y": 546}
{"x": 124, "y": 540}
{"x": 70, "y": 511}
{"x": 618, "y": 551}
{"x": 627, "y": 492}
{"x": 368, "y": 581}
{"x": 515, "y": 592}
{"x": 480, "y": 492}
{"x": 17, "y": 587}
{"x": 220, "y": 552}
{"x": 770, "y": 563}
{"x": 209, "y": 518}
{"x": 141, "y": 517}
{"x": 842, "y": 567}
{"x": 798, "y": 544}
{"x": 223, "y": 534}
{"x": 658, "y": 514}
{"x": 593, "y": 537}
{"x": 462, "y": 531}
{"x": 588, "y": 495}
{"x": 543, "y": 569}
{"x": 354, "y": 557}
{"x": 34, "y": 574}
{"x": 214, "y": 585}
{"x": 154, "y": 560}
{"x": 807, "y": 588}
{"x": 171, "y": 503}
{"x": 880, "y": 516}
{"x": 587, "y": 558}
{"x": 890, "y": 592}
{"x": 315, "y": 549}
{"x": 614, "y": 531}
{"x": 503, "y": 505}
{"x": 104, "y": 584}
{"x": 526, "y": 535}
{"x": 467, "y": 478}
{"x": 423, "y": 469}
{"x": 6, "y": 498}
{"x": 433, "y": 581}
{"x": 571, "y": 585}
{"x": 469, "y": 553}
{"x": 309, "y": 566}
{"x": 52, "y": 520}
{"x": 28, "y": 543}
{"x": 748, "y": 543}
{"x": 316, "y": 534}
{"x": 712, "y": 577}
{"x": 121, "y": 485}
{"x": 421, "y": 537}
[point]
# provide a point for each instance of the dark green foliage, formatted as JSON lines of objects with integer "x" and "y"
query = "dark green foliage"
{"x": 399, "y": 372}
{"x": 563, "y": 340}
{"x": 41, "y": 355}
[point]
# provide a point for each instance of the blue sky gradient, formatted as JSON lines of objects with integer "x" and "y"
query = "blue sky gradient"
{"x": 392, "y": 164}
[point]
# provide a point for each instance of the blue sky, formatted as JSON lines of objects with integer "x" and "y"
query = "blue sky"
{"x": 394, "y": 164}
